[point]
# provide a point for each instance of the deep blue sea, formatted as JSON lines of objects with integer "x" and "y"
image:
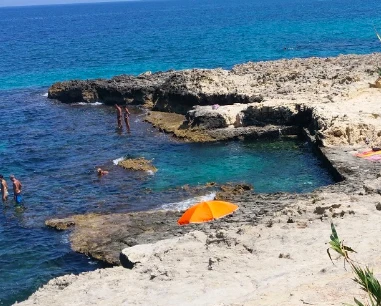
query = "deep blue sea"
{"x": 54, "y": 148}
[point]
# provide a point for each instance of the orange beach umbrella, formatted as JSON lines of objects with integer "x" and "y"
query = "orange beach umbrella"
{"x": 206, "y": 211}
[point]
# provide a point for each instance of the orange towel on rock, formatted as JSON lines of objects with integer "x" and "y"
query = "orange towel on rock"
{"x": 371, "y": 155}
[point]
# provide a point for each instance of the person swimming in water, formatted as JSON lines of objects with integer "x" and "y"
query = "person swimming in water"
{"x": 17, "y": 186}
{"x": 126, "y": 118}
{"x": 4, "y": 188}
{"x": 101, "y": 172}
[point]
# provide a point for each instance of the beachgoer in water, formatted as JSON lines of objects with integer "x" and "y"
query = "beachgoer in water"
{"x": 119, "y": 116}
{"x": 16, "y": 189}
{"x": 101, "y": 172}
{"x": 4, "y": 188}
{"x": 126, "y": 118}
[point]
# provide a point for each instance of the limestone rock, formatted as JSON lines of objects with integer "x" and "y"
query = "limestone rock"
{"x": 373, "y": 186}
{"x": 207, "y": 117}
{"x": 61, "y": 224}
{"x": 104, "y": 236}
{"x": 377, "y": 83}
{"x": 328, "y": 96}
{"x": 137, "y": 164}
{"x": 179, "y": 91}
{"x": 133, "y": 255}
{"x": 177, "y": 125}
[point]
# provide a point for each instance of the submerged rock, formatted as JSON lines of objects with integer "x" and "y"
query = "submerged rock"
{"x": 137, "y": 164}
{"x": 61, "y": 224}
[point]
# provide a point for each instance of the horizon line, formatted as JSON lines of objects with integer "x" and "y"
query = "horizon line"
{"x": 71, "y": 3}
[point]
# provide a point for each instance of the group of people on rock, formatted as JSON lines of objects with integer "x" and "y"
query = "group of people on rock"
{"x": 126, "y": 117}
{"x": 16, "y": 189}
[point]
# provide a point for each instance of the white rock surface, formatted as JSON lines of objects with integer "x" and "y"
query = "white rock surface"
{"x": 272, "y": 264}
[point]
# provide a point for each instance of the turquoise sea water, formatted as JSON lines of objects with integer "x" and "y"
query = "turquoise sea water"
{"x": 40, "y": 45}
{"x": 54, "y": 149}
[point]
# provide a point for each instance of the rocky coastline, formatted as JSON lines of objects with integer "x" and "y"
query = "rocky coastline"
{"x": 249, "y": 99}
{"x": 334, "y": 102}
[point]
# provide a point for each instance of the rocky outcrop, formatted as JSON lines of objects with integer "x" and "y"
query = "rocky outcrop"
{"x": 274, "y": 112}
{"x": 315, "y": 79}
{"x": 122, "y": 89}
{"x": 280, "y": 261}
{"x": 104, "y": 236}
{"x": 137, "y": 164}
{"x": 330, "y": 96}
{"x": 327, "y": 99}
{"x": 177, "y": 125}
{"x": 331, "y": 102}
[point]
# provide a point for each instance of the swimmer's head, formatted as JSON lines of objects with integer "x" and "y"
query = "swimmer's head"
{"x": 1, "y": 176}
{"x": 12, "y": 177}
{"x": 99, "y": 170}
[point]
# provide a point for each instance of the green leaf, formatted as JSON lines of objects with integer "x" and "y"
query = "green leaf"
{"x": 329, "y": 254}
{"x": 358, "y": 302}
{"x": 334, "y": 233}
{"x": 349, "y": 249}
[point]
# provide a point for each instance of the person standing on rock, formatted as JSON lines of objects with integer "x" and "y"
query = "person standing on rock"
{"x": 16, "y": 189}
{"x": 126, "y": 118}
{"x": 4, "y": 188}
{"x": 119, "y": 116}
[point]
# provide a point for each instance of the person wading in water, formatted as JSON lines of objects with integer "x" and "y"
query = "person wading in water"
{"x": 126, "y": 118}
{"x": 4, "y": 188}
{"x": 119, "y": 116}
{"x": 16, "y": 189}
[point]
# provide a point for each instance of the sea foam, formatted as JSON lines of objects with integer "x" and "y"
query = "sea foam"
{"x": 116, "y": 161}
{"x": 187, "y": 203}
{"x": 88, "y": 104}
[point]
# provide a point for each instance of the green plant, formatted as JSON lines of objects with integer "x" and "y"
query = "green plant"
{"x": 363, "y": 276}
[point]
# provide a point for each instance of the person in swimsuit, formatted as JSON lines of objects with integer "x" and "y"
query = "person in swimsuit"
{"x": 119, "y": 116}
{"x": 126, "y": 118}
{"x": 4, "y": 188}
{"x": 101, "y": 172}
{"x": 16, "y": 189}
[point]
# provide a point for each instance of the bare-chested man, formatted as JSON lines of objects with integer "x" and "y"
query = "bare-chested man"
{"x": 16, "y": 189}
{"x": 101, "y": 172}
{"x": 126, "y": 118}
{"x": 119, "y": 116}
{"x": 4, "y": 188}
